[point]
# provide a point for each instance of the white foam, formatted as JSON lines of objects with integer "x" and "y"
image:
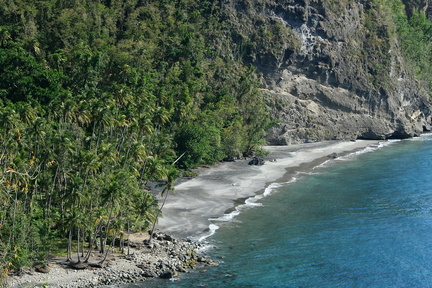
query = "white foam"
{"x": 253, "y": 201}
{"x": 368, "y": 149}
{"x": 250, "y": 202}
{"x": 353, "y": 155}
{"x": 212, "y": 231}
{"x": 322, "y": 164}
{"x": 422, "y": 137}
{"x": 226, "y": 217}
{"x": 268, "y": 191}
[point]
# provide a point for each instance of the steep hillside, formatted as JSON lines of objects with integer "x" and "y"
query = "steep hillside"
{"x": 333, "y": 69}
{"x": 99, "y": 98}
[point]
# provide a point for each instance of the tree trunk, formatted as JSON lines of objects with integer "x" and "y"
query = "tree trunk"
{"x": 128, "y": 239}
{"x": 69, "y": 252}
{"x": 78, "y": 245}
{"x": 157, "y": 216}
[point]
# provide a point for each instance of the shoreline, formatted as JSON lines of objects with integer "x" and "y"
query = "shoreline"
{"x": 165, "y": 258}
{"x": 190, "y": 214}
{"x": 217, "y": 191}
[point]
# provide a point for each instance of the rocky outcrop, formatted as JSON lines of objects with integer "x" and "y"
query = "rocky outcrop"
{"x": 418, "y": 5}
{"x": 256, "y": 161}
{"x": 167, "y": 257}
{"x": 334, "y": 72}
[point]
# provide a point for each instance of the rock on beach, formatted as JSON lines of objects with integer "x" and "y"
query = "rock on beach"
{"x": 167, "y": 257}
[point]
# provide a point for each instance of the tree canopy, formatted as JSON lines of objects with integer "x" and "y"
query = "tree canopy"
{"x": 97, "y": 99}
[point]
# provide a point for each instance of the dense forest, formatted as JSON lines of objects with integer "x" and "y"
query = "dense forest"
{"x": 99, "y": 98}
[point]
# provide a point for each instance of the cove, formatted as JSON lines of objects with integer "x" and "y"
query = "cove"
{"x": 362, "y": 221}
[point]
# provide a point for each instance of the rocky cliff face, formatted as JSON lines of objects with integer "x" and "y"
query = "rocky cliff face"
{"x": 332, "y": 69}
{"x": 418, "y": 5}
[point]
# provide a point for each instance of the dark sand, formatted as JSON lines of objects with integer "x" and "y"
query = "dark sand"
{"x": 218, "y": 189}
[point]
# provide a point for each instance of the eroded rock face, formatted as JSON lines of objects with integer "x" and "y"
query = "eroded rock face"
{"x": 339, "y": 73}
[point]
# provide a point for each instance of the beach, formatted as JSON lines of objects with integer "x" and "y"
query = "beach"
{"x": 359, "y": 220}
{"x": 190, "y": 212}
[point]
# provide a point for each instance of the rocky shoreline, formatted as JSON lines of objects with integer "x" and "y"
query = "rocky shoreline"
{"x": 166, "y": 257}
{"x": 212, "y": 192}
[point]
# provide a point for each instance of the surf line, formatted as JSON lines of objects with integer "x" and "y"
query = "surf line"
{"x": 249, "y": 203}
{"x": 253, "y": 200}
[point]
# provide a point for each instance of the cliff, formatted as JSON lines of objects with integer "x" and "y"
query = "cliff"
{"x": 331, "y": 69}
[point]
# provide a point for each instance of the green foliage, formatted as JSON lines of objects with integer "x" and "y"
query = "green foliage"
{"x": 97, "y": 98}
{"x": 24, "y": 78}
{"x": 378, "y": 43}
{"x": 415, "y": 36}
{"x": 387, "y": 19}
{"x": 193, "y": 141}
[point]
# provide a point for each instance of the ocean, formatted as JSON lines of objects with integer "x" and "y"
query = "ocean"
{"x": 361, "y": 220}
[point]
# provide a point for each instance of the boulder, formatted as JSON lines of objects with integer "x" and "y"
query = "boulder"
{"x": 256, "y": 161}
{"x": 333, "y": 155}
{"x": 167, "y": 274}
{"x": 42, "y": 268}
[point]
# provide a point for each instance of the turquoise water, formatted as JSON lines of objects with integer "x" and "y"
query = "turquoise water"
{"x": 361, "y": 221}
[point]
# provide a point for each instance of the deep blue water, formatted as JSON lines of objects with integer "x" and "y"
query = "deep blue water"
{"x": 359, "y": 221}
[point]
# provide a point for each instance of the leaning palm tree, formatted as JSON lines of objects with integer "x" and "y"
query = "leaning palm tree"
{"x": 111, "y": 198}
{"x": 115, "y": 197}
{"x": 172, "y": 175}
{"x": 146, "y": 209}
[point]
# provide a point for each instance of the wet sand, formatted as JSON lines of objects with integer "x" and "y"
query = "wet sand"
{"x": 218, "y": 189}
{"x": 214, "y": 192}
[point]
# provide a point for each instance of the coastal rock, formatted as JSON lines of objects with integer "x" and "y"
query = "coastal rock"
{"x": 167, "y": 274}
{"x": 256, "y": 161}
{"x": 42, "y": 268}
{"x": 166, "y": 259}
{"x": 333, "y": 155}
{"x": 327, "y": 76}
{"x": 79, "y": 265}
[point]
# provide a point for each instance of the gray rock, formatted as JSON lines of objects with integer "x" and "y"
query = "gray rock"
{"x": 42, "y": 268}
{"x": 256, "y": 161}
{"x": 324, "y": 78}
{"x": 167, "y": 274}
{"x": 333, "y": 155}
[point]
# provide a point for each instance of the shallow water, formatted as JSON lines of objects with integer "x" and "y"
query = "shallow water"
{"x": 361, "y": 221}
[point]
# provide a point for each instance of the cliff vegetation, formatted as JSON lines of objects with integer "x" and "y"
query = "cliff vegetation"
{"x": 98, "y": 98}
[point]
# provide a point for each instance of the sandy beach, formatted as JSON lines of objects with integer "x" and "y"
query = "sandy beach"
{"x": 189, "y": 211}
{"x": 218, "y": 189}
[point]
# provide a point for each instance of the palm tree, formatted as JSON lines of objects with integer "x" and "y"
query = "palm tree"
{"x": 172, "y": 175}
{"x": 4, "y": 36}
{"x": 27, "y": 113}
{"x": 9, "y": 122}
{"x": 103, "y": 119}
{"x": 37, "y": 130}
{"x": 75, "y": 200}
{"x": 146, "y": 208}
{"x": 112, "y": 197}
{"x": 82, "y": 114}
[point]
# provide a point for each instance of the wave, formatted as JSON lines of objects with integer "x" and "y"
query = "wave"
{"x": 212, "y": 231}
{"x": 249, "y": 202}
{"x": 367, "y": 149}
{"x": 353, "y": 155}
{"x": 253, "y": 201}
{"x": 322, "y": 164}
{"x": 423, "y": 137}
